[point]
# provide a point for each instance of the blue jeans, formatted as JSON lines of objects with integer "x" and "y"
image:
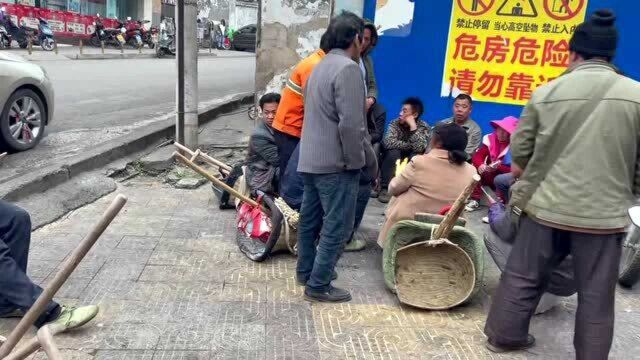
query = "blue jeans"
{"x": 17, "y": 292}
{"x": 327, "y": 214}
{"x": 503, "y": 183}
{"x": 364, "y": 194}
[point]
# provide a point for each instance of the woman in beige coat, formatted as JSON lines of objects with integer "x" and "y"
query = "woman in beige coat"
{"x": 431, "y": 181}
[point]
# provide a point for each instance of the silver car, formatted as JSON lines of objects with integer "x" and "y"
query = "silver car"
{"x": 26, "y": 103}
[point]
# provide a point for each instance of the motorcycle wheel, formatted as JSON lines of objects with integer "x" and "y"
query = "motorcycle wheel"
{"x": 48, "y": 44}
{"x": 151, "y": 45}
{"x": 94, "y": 41}
{"x": 160, "y": 52}
{"x": 23, "y": 45}
{"x": 630, "y": 261}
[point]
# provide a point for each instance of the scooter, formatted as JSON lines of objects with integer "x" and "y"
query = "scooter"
{"x": 166, "y": 43}
{"x": 133, "y": 34}
{"x": 149, "y": 37}
{"x": 630, "y": 261}
{"x": 5, "y": 40}
{"x": 44, "y": 36}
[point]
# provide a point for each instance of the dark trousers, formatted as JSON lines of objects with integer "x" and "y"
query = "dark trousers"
{"x": 364, "y": 193}
{"x": 327, "y": 214}
{"x": 537, "y": 251}
{"x": 286, "y": 145}
{"x": 17, "y": 292}
{"x": 388, "y": 168}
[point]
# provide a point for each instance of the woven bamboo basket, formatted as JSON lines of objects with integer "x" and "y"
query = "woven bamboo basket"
{"x": 437, "y": 274}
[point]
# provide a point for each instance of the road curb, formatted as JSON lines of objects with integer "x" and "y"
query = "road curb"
{"x": 46, "y": 178}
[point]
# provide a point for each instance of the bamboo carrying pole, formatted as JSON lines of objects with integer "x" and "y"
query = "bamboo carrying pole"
{"x": 206, "y": 157}
{"x": 214, "y": 180}
{"x": 67, "y": 268}
{"x": 445, "y": 227}
{"x": 45, "y": 336}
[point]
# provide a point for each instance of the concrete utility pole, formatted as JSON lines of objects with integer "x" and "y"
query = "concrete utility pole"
{"x": 187, "y": 87}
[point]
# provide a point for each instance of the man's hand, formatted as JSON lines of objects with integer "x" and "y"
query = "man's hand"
{"x": 482, "y": 169}
{"x": 410, "y": 120}
{"x": 370, "y": 101}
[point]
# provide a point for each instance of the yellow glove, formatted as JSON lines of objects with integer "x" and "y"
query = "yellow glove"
{"x": 401, "y": 165}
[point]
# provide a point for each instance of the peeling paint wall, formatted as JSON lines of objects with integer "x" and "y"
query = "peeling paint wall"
{"x": 290, "y": 30}
{"x": 214, "y": 9}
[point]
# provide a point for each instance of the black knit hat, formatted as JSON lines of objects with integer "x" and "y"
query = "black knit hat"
{"x": 597, "y": 36}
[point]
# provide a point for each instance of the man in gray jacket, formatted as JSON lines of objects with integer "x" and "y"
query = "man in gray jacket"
{"x": 575, "y": 153}
{"x": 334, "y": 147}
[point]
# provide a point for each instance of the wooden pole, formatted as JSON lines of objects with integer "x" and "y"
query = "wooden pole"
{"x": 206, "y": 157}
{"x": 443, "y": 230}
{"x": 80, "y": 47}
{"x": 67, "y": 268}
{"x": 214, "y": 180}
{"x": 45, "y": 336}
{"x": 32, "y": 345}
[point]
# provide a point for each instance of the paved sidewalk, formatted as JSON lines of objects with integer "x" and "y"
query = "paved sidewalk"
{"x": 171, "y": 284}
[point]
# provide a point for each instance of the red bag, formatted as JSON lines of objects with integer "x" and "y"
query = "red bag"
{"x": 253, "y": 222}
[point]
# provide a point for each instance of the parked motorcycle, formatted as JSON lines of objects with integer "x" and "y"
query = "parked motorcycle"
{"x": 44, "y": 35}
{"x": 133, "y": 34}
{"x": 630, "y": 261}
{"x": 166, "y": 43}
{"x": 21, "y": 34}
{"x": 5, "y": 40}
{"x": 149, "y": 37}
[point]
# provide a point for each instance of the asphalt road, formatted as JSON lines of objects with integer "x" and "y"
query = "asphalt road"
{"x": 99, "y": 100}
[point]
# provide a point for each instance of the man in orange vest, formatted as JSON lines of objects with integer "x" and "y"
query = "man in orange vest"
{"x": 287, "y": 125}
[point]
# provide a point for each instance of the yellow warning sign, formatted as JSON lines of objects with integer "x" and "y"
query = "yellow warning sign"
{"x": 502, "y": 50}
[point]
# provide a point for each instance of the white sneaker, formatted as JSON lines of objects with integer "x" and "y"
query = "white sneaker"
{"x": 472, "y": 205}
{"x": 485, "y": 219}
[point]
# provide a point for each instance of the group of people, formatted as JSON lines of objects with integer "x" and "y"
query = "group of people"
{"x": 564, "y": 175}
{"x": 568, "y": 169}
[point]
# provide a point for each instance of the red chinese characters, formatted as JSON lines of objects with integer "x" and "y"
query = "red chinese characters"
{"x": 526, "y": 51}
{"x": 466, "y": 47}
{"x": 520, "y": 86}
{"x": 463, "y": 80}
{"x": 491, "y": 84}
{"x": 556, "y": 54}
{"x": 496, "y": 48}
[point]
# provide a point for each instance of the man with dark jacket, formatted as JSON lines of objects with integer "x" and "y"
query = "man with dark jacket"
{"x": 335, "y": 146}
{"x": 263, "y": 161}
{"x": 578, "y": 174}
{"x": 17, "y": 292}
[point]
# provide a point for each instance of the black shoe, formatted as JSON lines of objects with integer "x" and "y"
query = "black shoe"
{"x": 333, "y": 295}
{"x": 303, "y": 281}
{"x": 501, "y": 348}
{"x": 384, "y": 197}
{"x": 15, "y": 313}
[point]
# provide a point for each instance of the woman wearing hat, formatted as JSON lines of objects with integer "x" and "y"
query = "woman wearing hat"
{"x": 431, "y": 181}
{"x": 491, "y": 159}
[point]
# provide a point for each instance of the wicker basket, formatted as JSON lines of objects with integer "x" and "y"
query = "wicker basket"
{"x": 434, "y": 275}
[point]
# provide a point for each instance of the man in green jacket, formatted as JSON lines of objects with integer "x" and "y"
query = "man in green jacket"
{"x": 579, "y": 207}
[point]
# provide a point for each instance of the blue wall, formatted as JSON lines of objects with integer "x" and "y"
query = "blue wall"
{"x": 413, "y": 65}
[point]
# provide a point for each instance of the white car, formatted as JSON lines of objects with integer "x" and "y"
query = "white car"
{"x": 26, "y": 103}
